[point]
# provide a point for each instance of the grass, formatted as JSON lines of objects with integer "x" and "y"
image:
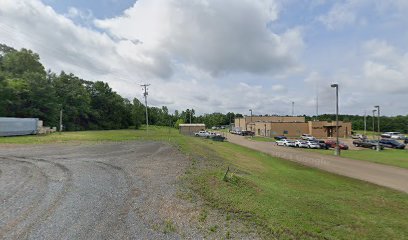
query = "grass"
{"x": 278, "y": 198}
{"x": 393, "y": 157}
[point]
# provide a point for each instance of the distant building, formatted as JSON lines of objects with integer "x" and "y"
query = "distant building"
{"x": 190, "y": 129}
{"x": 270, "y": 126}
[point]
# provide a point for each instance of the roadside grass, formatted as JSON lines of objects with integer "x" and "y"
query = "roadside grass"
{"x": 278, "y": 198}
{"x": 155, "y": 133}
{"x": 287, "y": 200}
{"x": 393, "y": 157}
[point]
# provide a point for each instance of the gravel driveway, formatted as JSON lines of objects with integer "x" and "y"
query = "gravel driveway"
{"x": 383, "y": 175}
{"x": 95, "y": 191}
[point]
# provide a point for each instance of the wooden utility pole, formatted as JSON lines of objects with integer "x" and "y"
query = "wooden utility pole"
{"x": 145, "y": 96}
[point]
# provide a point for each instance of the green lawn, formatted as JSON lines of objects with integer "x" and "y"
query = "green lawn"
{"x": 261, "y": 139}
{"x": 393, "y": 157}
{"x": 279, "y": 198}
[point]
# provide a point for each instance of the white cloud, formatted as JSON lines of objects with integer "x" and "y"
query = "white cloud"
{"x": 181, "y": 47}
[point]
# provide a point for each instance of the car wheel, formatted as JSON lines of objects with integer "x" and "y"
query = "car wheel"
{"x": 373, "y": 147}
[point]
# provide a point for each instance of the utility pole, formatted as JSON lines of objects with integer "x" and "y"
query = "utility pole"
{"x": 379, "y": 133}
{"x": 60, "y": 122}
{"x": 293, "y": 109}
{"x": 317, "y": 103}
{"x": 365, "y": 123}
{"x": 251, "y": 118}
{"x": 374, "y": 122}
{"x": 337, "y": 151}
{"x": 145, "y": 96}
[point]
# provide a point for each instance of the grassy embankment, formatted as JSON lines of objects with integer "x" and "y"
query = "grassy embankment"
{"x": 280, "y": 198}
{"x": 393, "y": 157}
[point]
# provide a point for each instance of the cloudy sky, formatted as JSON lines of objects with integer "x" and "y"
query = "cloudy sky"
{"x": 229, "y": 55}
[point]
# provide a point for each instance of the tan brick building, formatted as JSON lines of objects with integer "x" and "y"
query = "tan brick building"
{"x": 270, "y": 126}
{"x": 190, "y": 129}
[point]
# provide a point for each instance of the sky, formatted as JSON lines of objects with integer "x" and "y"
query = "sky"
{"x": 226, "y": 56}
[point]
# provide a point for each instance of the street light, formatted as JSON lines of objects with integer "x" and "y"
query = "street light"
{"x": 337, "y": 151}
{"x": 374, "y": 122}
{"x": 378, "y": 114}
{"x": 251, "y": 118}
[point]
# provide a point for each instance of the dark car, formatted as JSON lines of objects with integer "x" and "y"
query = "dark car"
{"x": 406, "y": 141}
{"x": 332, "y": 144}
{"x": 322, "y": 144}
{"x": 280, "y": 137}
{"x": 367, "y": 144}
{"x": 247, "y": 133}
{"x": 391, "y": 143}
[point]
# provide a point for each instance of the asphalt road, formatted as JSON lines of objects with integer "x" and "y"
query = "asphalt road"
{"x": 383, "y": 175}
{"x": 95, "y": 191}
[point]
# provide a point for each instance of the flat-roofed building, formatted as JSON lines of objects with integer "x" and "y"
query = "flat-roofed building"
{"x": 270, "y": 126}
{"x": 190, "y": 129}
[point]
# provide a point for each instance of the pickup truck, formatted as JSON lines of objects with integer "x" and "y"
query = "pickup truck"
{"x": 201, "y": 134}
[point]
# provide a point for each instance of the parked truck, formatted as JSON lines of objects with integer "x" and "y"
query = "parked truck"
{"x": 18, "y": 126}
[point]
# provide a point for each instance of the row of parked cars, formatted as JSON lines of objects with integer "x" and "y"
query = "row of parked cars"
{"x": 242, "y": 132}
{"x": 384, "y": 143}
{"x": 307, "y": 141}
{"x": 213, "y": 135}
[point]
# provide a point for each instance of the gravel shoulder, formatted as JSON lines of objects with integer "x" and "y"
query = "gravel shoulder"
{"x": 383, "y": 175}
{"x": 125, "y": 190}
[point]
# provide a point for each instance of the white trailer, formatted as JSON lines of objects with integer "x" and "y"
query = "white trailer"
{"x": 18, "y": 126}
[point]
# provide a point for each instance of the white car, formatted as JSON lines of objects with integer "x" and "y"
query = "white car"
{"x": 312, "y": 144}
{"x": 285, "y": 142}
{"x": 201, "y": 134}
{"x": 308, "y": 137}
{"x": 301, "y": 143}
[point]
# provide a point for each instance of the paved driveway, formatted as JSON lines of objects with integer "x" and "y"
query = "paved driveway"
{"x": 383, "y": 175}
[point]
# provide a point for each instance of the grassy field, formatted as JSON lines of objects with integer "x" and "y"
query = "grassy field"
{"x": 280, "y": 199}
{"x": 262, "y": 139}
{"x": 393, "y": 157}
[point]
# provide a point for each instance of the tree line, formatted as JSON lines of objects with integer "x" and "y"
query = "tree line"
{"x": 28, "y": 90}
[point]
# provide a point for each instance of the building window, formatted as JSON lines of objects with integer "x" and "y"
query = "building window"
{"x": 285, "y": 132}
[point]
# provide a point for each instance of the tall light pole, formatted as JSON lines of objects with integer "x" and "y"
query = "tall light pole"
{"x": 293, "y": 109}
{"x": 337, "y": 151}
{"x": 374, "y": 122}
{"x": 145, "y": 96}
{"x": 251, "y": 118}
{"x": 365, "y": 123}
{"x": 378, "y": 127}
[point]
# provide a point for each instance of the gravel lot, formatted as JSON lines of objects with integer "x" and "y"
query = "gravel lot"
{"x": 99, "y": 191}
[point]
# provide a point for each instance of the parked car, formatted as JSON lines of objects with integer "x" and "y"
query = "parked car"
{"x": 201, "y": 134}
{"x": 307, "y": 137}
{"x": 359, "y": 136}
{"x": 280, "y": 137}
{"x": 212, "y": 134}
{"x": 391, "y": 143}
{"x": 322, "y": 144}
{"x": 390, "y": 134}
{"x": 332, "y": 144}
{"x": 285, "y": 142}
{"x": 313, "y": 144}
{"x": 398, "y": 136}
{"x": 247, "y": 133}
{"x": 301, "y": 143}
{"x": 367, "y": 144}
{"x": 406, "y": 140}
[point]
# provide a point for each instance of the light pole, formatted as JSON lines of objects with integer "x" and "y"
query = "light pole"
{"x": 365, "y": 123}
{"x": 374, "y": 122}
{"x": 337, "y": 151}
{"x": 378, "y": 127}
{"x": 293, "y": 109}
{"x": 251, "y": 118}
